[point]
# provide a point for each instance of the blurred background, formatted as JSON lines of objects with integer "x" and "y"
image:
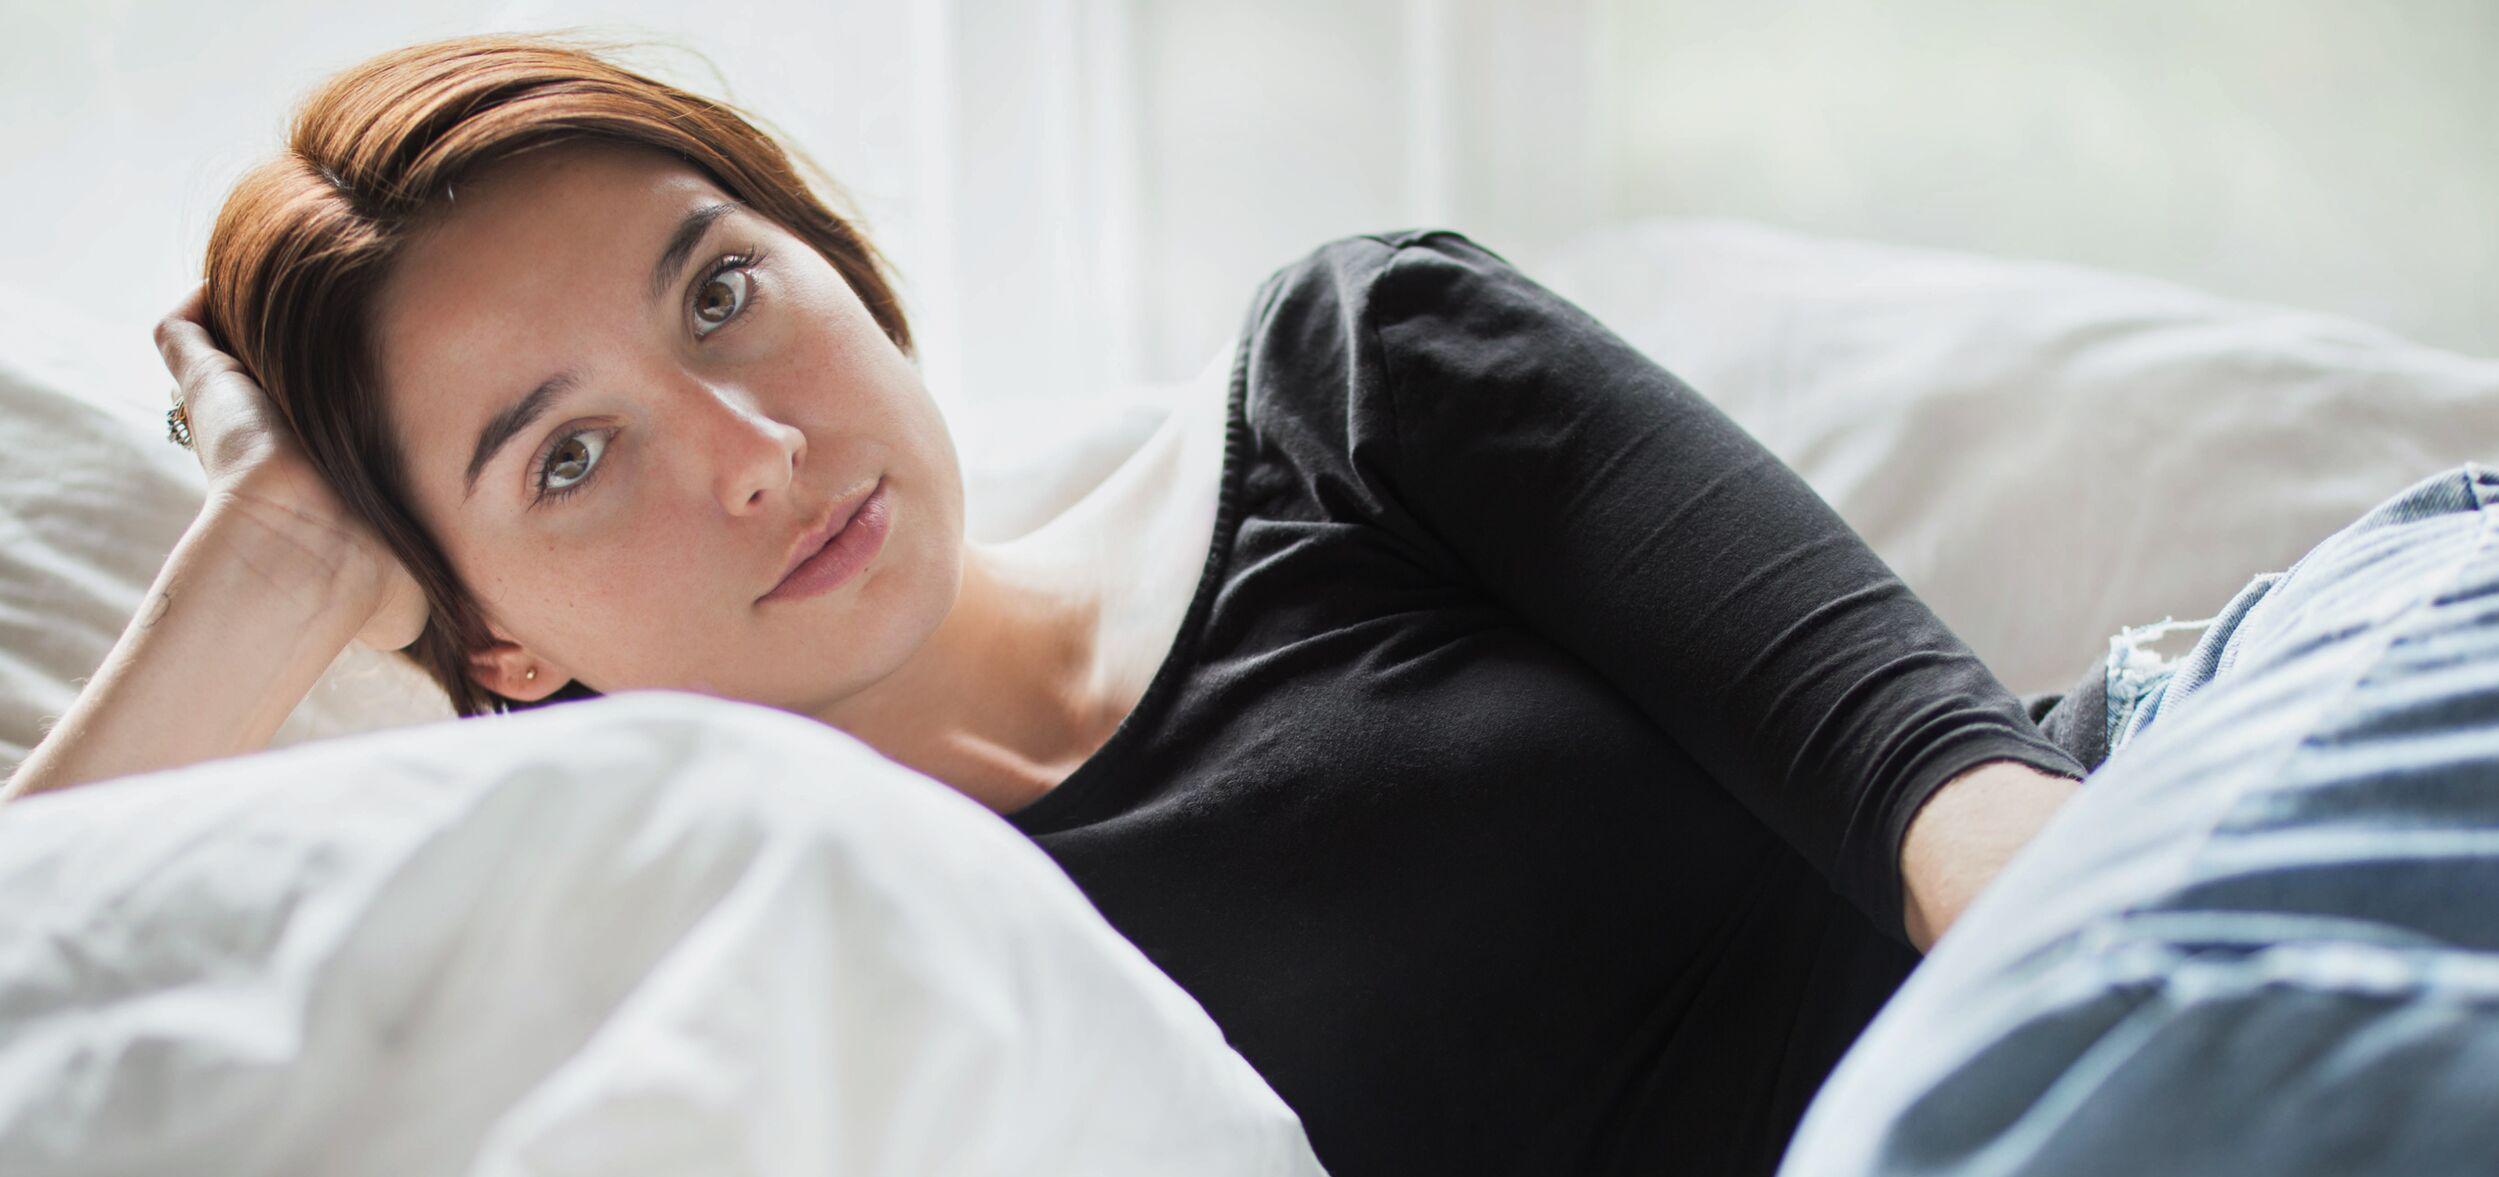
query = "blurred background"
{"x": 1081, "y": 193}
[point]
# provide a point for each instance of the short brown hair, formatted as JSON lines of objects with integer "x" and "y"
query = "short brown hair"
{"x": 304, "y": 240}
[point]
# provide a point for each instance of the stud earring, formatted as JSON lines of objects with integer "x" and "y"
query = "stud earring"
{"x": 531, "y": 673}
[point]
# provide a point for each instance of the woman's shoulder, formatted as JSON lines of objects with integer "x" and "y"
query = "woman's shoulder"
{"x": 1364, "y": 280}
{"x": 1382, "y": 347}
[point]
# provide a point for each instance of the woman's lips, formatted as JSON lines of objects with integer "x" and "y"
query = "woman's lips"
{"x": 842, "y": 556}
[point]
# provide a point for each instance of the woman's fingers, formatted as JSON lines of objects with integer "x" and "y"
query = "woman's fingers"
{"x": 182, "y": 341}
{"x": 194, "y": 306}
{"x": 233, "y": 426}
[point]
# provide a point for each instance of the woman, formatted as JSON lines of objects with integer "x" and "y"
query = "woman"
{"x": 1528, "y": 772}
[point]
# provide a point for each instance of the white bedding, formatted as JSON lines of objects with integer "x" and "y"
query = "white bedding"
{"x": 650, "y": 934}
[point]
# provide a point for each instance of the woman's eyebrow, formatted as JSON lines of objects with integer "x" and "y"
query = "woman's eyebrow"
{"x": 682, "y": 242}
{"x": 503, "y": 426}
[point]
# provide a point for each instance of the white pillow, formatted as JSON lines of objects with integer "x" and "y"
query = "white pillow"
{"x": 93, "y": 497}
{"x": 652, "y": 933}
{"x": 2045, "y": 453}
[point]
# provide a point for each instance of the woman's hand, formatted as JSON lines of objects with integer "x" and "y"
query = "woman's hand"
{"x": 257, "y": 467}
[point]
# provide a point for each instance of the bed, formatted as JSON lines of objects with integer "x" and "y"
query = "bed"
{"x": 660, "y": 933}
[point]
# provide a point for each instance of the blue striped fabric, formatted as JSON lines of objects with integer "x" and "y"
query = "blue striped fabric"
{"x": 2262, "y": 939}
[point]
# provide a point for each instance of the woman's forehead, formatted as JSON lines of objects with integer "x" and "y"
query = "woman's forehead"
{"x": 559, "y": 214}
{"x": 527, "y": 268}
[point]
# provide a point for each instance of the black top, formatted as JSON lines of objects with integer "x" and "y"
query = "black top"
{"x": 1524, "y": 791}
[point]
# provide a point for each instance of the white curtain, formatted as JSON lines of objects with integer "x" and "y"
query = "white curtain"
{"x": 1083, "y": 193}
{"x": 1079, "y": 194}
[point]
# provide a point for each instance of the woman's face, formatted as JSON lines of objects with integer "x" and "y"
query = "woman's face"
{"x": 712, "y": 387}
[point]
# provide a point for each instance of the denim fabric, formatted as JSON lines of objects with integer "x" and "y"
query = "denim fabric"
{"x": 2133, "y": 675}
{"x": 2261, "y": 939}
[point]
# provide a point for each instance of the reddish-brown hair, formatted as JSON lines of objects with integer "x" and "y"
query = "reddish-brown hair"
{"x": 303, "y": 243}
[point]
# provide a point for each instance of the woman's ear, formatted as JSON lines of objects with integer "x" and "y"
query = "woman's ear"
{"x": 513, "y": 672}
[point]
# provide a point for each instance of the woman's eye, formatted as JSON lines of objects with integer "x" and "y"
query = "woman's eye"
{"x": 719, "y": 300}
{"x": 568, "y": 465}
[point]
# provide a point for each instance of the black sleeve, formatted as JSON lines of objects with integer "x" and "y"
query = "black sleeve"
{"x": 2076, "y": 719}
{"x": 1629, "y": 521}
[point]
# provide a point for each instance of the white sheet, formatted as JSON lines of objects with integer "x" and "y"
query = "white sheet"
{"x": 650, "y": 934}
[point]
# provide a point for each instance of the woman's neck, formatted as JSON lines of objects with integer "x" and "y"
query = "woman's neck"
{"x": 1056, "y": 635}
{"x": 1007, "y": 697}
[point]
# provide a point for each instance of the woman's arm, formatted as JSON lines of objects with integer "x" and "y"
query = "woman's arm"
{"x": 1621, "y": 516}
{"x": 245, "y": 616}
{"x": 1964, "y": 835}
{"x": 272, "y": 580}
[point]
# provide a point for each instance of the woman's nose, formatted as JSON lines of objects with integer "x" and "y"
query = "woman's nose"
{"x": 755, "y": 455}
